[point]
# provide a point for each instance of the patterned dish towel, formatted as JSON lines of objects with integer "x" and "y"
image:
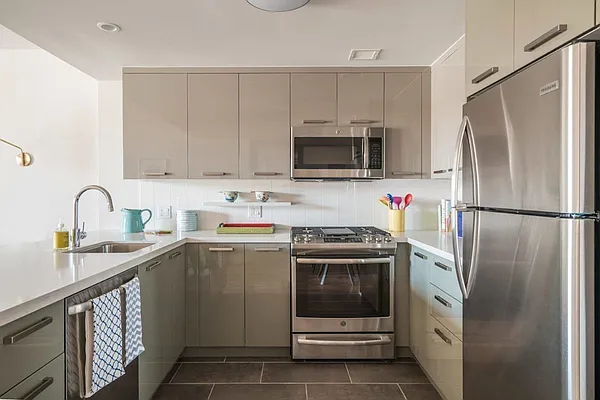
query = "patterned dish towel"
{"x": 104, "y": 342}
{"x": 133, "y": 321}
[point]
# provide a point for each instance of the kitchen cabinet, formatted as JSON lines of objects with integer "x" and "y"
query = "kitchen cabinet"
{"x": 314, "y": 99}
{"x": 360, "y": 99}
{"x": 267, "y": 295}
{"x": 490, "y": 31}
{"x": 447, "y": 99}
{"x": 403, "y": 122}
{"x": 221, "y": 295}
{"x": 444, "y": 352}
{"x": 176, "y": 270}
{"x": 192, "y": 303}
{"x": 46, "y": 384}
{"x": 155, "y": 126}
{"x": 543, "y": 25}
{"x": 402, "y": 296}
{"x": 213, "y": 126}
{"x": 419, "y": 306}
{"x": 264, "y": 102}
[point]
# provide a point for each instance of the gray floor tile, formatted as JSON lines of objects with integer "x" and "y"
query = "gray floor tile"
{"x": 258, "y": 359}
{"x": 405, "y": 360}
{"x": 305, "y": 373}
{"x": 420, "y": 392}
{"x": 200, "y": 359}
{"x": 171, "y": 373}
{"x": 182, "y": 392}
{"x": 218, "y": 373}
{"x": 387, "y": 373}
{"x": 354, "y": 392}
{"x": 258, "y": 392}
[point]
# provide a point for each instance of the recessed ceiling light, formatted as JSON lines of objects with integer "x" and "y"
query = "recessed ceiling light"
{"x": 364, "y": 54}
{"x": 278, "y": 5}
{"x": 108, "y": 27}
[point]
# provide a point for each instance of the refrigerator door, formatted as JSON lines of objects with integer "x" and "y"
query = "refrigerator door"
{"x": 534, "y": 136}
{"x": 528, "y": 325}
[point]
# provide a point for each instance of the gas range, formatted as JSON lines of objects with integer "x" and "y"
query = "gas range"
{"x": 341, "y": 240}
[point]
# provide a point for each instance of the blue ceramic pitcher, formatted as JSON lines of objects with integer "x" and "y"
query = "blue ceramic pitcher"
{"x": 132, "y": 220}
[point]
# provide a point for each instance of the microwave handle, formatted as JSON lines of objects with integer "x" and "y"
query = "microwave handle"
{"x": 366, "y": 154}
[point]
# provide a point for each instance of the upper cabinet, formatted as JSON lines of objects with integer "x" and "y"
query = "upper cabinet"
{"x": 314, "y": 99}
{"x": 489, "y": 41}
{"x": 264, "y": 126}
{"x": 154, "y": 126}
{"x": 213, "y": 126}
{"x": 360, "y": 99}
{"x": 542, "y": 25}
{"x": 447, "y": 99}
{"x": 403, "y": 122}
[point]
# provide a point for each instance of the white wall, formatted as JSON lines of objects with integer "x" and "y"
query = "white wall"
{"x": 335, "y": 203}
{"x": 50, "y": 109}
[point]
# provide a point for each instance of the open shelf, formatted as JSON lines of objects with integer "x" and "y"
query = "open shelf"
{"x": 247, "y": 204}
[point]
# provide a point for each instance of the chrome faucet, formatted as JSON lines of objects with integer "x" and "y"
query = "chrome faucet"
{"x": 76, "y": 233}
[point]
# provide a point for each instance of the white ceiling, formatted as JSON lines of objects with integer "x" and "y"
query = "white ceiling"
{"x": 233, "y": 33}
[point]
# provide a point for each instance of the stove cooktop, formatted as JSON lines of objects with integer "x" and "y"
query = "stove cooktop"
{"x": 339, "y": 231}
{"x": 341, "y": 239}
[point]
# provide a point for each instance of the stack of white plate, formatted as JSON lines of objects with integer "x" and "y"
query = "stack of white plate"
{"x": 187, "y": 220}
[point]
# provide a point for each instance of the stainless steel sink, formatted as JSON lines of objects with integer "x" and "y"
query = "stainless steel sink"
{"x": 112, "y": 247}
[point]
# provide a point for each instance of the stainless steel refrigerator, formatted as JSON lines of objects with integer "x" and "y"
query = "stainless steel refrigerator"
{"x": 525, "y": 179}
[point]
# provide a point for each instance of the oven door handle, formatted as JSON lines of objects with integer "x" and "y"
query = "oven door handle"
{"x": 302, "y": 339}
{"x": 343, "y": 261}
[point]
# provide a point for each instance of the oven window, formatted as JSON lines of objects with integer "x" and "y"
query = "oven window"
{"x": 329, "y": 153}
{"x": 342, "y": 290}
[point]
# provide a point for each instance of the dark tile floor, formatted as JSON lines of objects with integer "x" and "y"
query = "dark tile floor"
{"x": 279, "y": 378}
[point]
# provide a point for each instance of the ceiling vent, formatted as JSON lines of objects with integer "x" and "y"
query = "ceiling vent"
{"x": 364, "y": 54}
{"x": 278, "y": 5}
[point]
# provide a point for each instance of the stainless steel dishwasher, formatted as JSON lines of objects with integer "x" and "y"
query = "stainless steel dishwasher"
{"x": 127, "y": 386}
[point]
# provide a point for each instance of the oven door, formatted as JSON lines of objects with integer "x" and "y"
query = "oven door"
{"x": 342, "y": 294}
{"x": 337, "y": 153}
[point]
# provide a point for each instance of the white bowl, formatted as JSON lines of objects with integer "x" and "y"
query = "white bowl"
{"x": 262, "y": 196}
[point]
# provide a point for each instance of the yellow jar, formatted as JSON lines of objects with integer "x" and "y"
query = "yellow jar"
{"x": 396, "y": 220}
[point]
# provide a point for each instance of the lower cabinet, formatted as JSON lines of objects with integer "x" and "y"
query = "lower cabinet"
{"x": 48, "y": 383}
{"x": 444, "y": 365}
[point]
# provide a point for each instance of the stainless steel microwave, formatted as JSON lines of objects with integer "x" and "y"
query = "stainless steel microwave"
{"x": 337, "y": 153}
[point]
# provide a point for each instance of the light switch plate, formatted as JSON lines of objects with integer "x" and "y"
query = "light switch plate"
{"x": 255, "y": 212}
{"x": 164, "y": 212}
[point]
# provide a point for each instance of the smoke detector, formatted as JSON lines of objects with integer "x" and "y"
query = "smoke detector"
{"x": 108, "y": 27}
{"x": 278, "y": 5}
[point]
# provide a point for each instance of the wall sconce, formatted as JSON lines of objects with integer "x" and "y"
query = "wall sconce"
{"x": 24, "y": 159}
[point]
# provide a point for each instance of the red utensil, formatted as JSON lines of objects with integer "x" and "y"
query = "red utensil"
{"x": 407, "y": 200}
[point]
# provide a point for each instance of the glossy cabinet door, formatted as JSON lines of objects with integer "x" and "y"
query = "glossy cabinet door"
{"x": 419, "y": 306}
{"x": 544, "y": 25}
{"x": 221, "y": 295}
{"x": 176, "y": 264}
{"x": 314, "y": 99}
{"x": 213, "y": 126}
{"x": 48, "y": 382}
{"x": 267, "y": 292}
{"x": 403, "y": 121}
{"x": 155, "y": 126}
{"x": 150, "y": 361}
{"x": 264, "y": 126}
{"x": 165, "y": 278}
{"x": 489, "y": 42}
{"x": 192, "y": 297}
{"x": 445, "y": 359}
{"x": 447, "y": 99}
{"x": 360, "y": 99}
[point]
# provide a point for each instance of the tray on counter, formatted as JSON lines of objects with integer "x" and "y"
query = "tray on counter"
{"x": 246, "y": 228}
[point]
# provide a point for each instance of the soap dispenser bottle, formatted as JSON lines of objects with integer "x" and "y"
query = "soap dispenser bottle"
{"x": 61, "y": 236}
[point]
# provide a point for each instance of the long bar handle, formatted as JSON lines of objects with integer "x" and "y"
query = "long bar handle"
{"x": 42, "y": 386}
{"x": 442, "y": 266}
{"x": 421, "y": 256}
{"x": 486, "y": 74}
{"x": 403, "y": 173}
{"x": 442, "y": 336}
{"x": 441, "y": 171}
{"x": 267, "y": 249}
{"x": 153, "y": 266}
{"x": 343, "y": 261}
{"x": 545, "y": 38}
{"x": 174, "y": 255}
{"x": 156, "y": 173}
{"x": 315, "y": 121}
{"x": 363, "y": 121}
{"x": 27, "y": 331}
{"x": 214, "y": 174}
{"x": 382, "y": 340}
{"x": 220, "y": 249}
{"x": 266, "y": 173}
{"x": 443, "y": 301}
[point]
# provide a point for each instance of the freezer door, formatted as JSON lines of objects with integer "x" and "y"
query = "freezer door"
{"x": 528, "y": 323}
{"x": 534, "y": 135}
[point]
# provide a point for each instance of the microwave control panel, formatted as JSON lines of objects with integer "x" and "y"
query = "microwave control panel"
{"x": 376, "y": 153}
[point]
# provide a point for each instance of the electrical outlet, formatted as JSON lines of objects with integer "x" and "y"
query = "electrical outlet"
{"x": 255, "y": 212}
{"x": 164, "y": 212}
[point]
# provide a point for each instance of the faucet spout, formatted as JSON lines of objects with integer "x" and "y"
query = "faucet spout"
{"x": 76, "y": 233}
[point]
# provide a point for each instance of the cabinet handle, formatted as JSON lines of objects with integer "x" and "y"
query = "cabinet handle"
{"x": 315, "y": 121}
{"x": 266, "y": 173}
{"x": 153, "y": 266}
{"x": 174, "y": 255}
{"x": 421, "y": 256}
{"x": 267, "y": 250}
{"x": 442, "y": 336}
{"x": 483, "y": 76}
{"x": 402, "y": 173}
{"x": 546, "y": 37}
{"x": 442, "y": 266}
{"x": 363, "y": 121}
{"x": 156, "y": 173}
{"x": 36, "y": 391}
{"x": 443, "y": 301}
{"x": 27, "y": 331}
{"x": 441, "y": 171}
{"x": 214, "y": 174}
{"x": 220, "y": 249}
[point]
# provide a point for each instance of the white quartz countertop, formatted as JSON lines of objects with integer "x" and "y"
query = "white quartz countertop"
{"x": 34, "y": 276}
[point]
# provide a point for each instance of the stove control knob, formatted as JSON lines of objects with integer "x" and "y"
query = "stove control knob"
{"x": 306, "y": 239}
{"x": 378, "y": 238}
{"x": 296, "y": 238}
{"x": 368, "y": 238}
{"x": 388, "y": 239}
